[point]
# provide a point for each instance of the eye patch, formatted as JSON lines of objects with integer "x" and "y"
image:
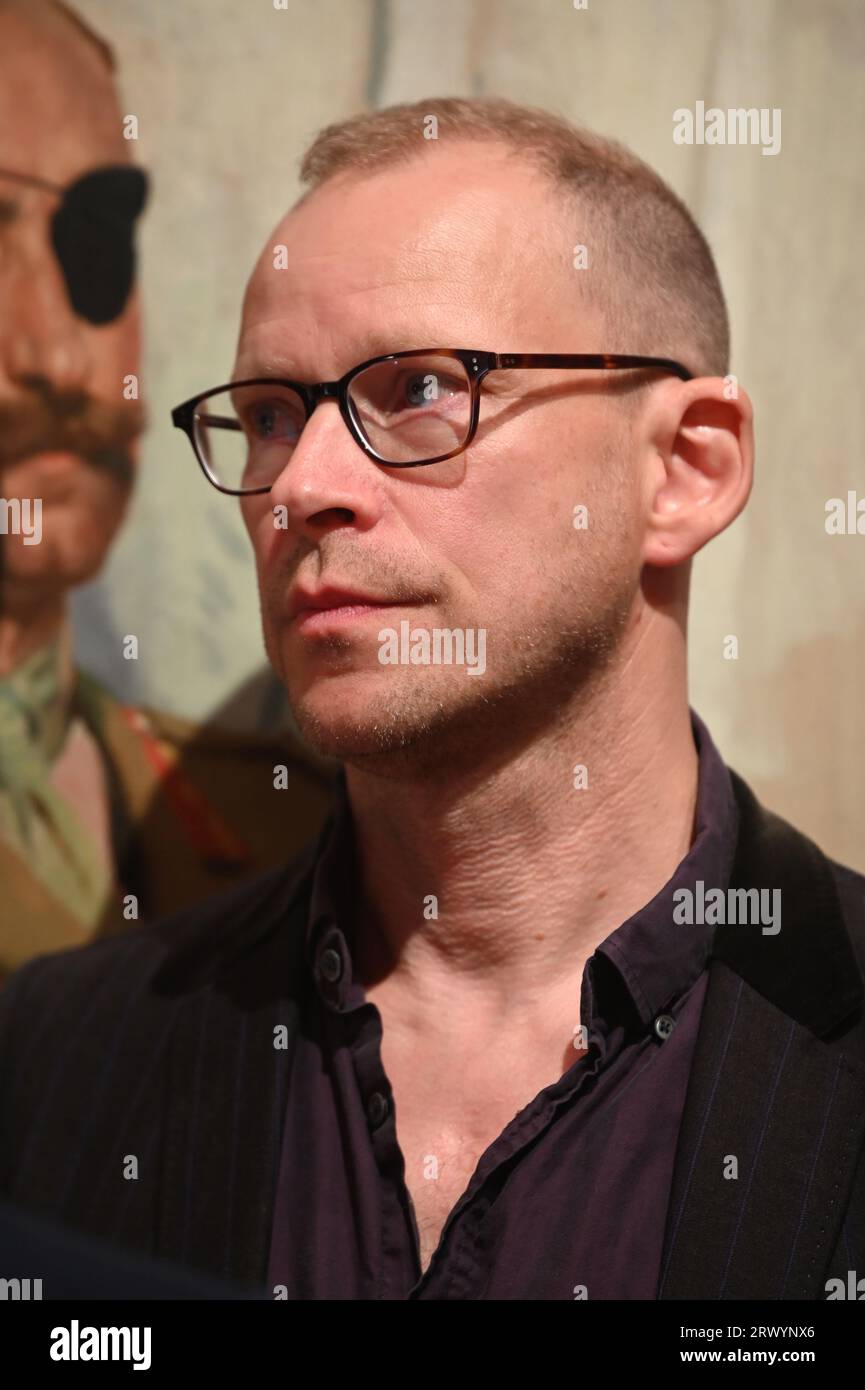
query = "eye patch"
{"x": 92, "y": 232}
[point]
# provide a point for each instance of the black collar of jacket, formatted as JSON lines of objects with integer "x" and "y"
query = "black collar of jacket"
{"x": 808, "y": 969}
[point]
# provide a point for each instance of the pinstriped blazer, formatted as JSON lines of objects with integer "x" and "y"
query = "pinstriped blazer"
{"x": 142, "y": 1095}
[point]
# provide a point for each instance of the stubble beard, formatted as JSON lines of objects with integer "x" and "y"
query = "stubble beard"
{"x": 428, "y": 721}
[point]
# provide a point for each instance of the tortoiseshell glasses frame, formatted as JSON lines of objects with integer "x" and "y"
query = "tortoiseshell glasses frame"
{"x": 475, "y": 363}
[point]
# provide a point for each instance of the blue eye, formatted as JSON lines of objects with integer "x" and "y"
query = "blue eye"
{"x": 422, "y": 388}
{"x": 414, "y": 390}
{"x": 267, "y": 420}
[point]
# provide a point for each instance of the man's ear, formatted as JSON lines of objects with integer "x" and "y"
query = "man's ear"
{"x": 701, "y": 465}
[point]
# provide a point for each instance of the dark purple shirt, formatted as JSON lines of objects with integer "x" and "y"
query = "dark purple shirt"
{"x": 573, "y": 1193}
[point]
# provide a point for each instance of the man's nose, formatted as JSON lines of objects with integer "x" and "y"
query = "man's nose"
{"x": 328, "y": 481}
{"x": 43, "y": 343}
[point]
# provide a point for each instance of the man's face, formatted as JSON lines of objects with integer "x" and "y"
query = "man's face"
{"x": 464, "y": 249}
{"x": 66, "y": 432}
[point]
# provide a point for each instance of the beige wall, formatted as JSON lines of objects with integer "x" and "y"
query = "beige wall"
{"x": 227, "y": 95}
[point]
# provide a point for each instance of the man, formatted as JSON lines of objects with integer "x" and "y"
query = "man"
{"x": 552, "y": 1009}
{"x": 107, "y": 813}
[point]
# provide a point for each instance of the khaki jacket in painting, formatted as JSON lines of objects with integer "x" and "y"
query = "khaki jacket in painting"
{"x": 194, "y": 810}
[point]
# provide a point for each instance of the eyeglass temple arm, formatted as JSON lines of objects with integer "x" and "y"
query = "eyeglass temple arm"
{"x": 223, "y": 422}
{"x": 182, "y": 418}
{"x": 602, "y": 361}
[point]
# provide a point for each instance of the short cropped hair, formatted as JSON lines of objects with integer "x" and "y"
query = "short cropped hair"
{"x": 655, "y": 282}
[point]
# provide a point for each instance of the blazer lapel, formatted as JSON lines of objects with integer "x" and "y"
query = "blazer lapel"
{"x": 773, "y": 1122}
{"x": 771, "y": 1132}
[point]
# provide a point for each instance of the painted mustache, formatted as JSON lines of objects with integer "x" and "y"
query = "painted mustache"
{"x": 100, "y": 434}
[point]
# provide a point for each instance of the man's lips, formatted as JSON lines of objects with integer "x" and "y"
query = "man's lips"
{"x": 56, "y": 460}
{"x": 64, "y": 463}
{"x": 326, "y": 607}
{"x": 317, "y": 619}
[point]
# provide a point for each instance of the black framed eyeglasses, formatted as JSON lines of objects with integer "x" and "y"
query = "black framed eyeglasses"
{"x": 404, "y": 409}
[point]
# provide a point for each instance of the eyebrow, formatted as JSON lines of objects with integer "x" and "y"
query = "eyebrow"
{"x": 376, "y": 343}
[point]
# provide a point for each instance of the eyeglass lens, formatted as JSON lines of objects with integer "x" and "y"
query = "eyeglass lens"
{"x": 408, "y": 410}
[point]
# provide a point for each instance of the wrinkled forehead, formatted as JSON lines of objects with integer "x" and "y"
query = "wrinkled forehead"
{"x": 459, "y": 248}
{"x": 58, "y": 107}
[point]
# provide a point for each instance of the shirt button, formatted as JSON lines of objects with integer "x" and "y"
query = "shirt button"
{"x": 376, "y": 1109}
{"x": 330, "y": 965}
{"x": 664, "y": 1025}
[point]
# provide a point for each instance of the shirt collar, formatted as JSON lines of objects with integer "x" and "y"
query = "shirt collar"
{"x": 334, "y": 875}
{"x": 655, "y": 959}
{"x": 40, "y": 696}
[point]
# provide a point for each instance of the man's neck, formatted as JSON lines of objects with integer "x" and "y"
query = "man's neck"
{"x": 527, "y": 875}
{"x": 27, "y": 628}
